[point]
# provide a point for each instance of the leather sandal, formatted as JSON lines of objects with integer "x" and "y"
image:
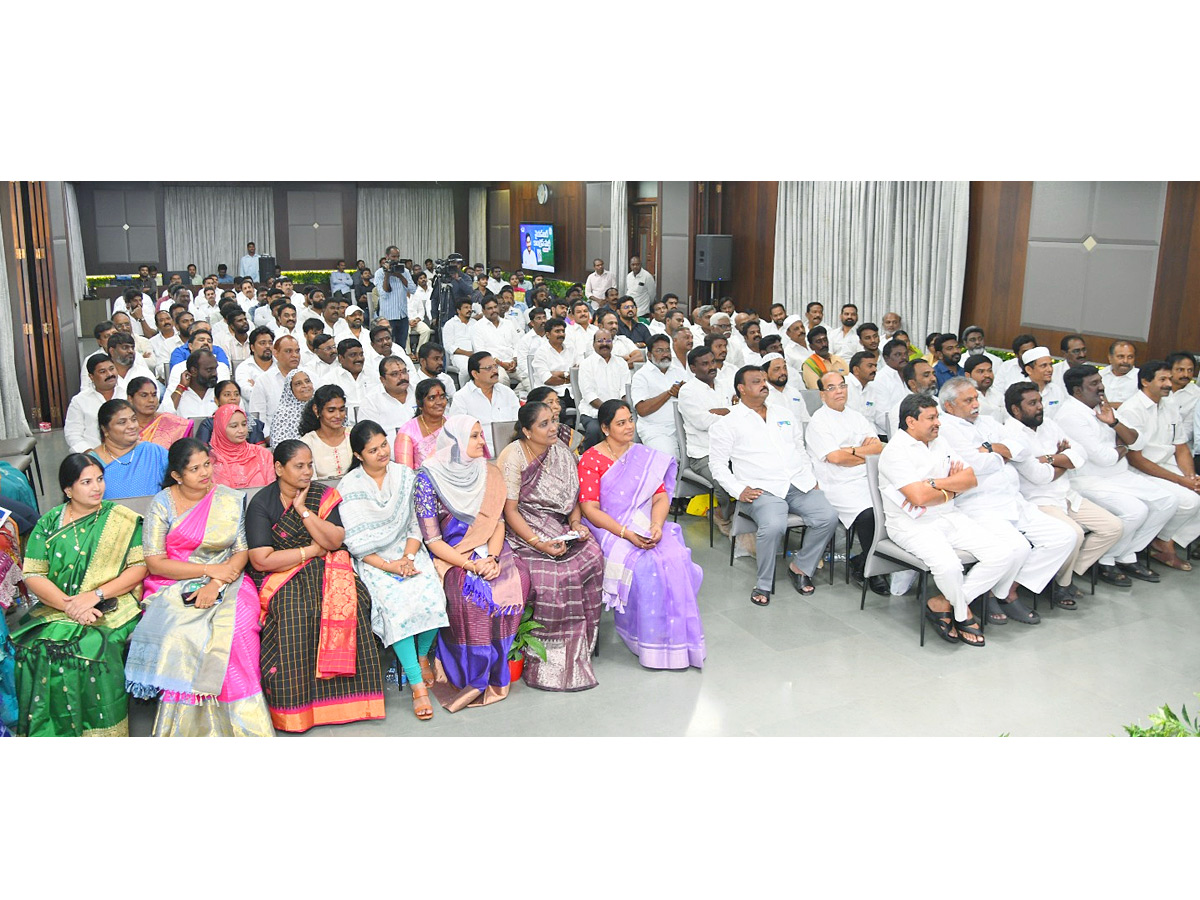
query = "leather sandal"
{"x": 943, "y": 623}
{"x": 971, "y": 627}
{"x": 760, "y": 598}
{"x": 1019, "y": 612}
{"x": 422, "y": 708}
{"x": 426, "y": 670}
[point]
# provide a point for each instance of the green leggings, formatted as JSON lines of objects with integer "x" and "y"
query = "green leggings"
{"x": 410, "y": 648}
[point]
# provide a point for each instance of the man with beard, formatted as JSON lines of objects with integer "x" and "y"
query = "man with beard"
{"x": 891, "y": 324}
{"x": 237, "y": 344}
{"x": 629, "y": 325}
{"x": 654, "y": 389}
{"x": 949, "y": 353}
{"x": 917, "y": 376}
{"x": 194, "y": 396}
{"x": 431, "y": 362}
{"x": 860, "y": 397}
{"x": 723, "y": 380}
{"x": 774, "y": 325}
{"x": 497, "y": 337}
{"x": 622, "y": 346}
{"x": 782, "y": 392}
{"x": 261, "y": 359}
{"x": 123, "y": 353}
{"x": 80, "y": 427}
{"x": 756, "y": 453}
{"x": 821, "y": 360}
{"x": 843, "y": 340}
{"x": 1045, "y": 459}
{"x": 991, "y": 401}
{"x": 199, "y": 337}
{"x": 976, "y": 344}
{"x": 395, "y": 404}
{"x": 485, "y": 398}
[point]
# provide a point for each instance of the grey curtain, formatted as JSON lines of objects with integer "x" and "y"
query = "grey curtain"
{"x": 887, "y": 246}
{"x": 211, "y": 224}
{"x": 12, "y": 412}
{"x": 75, "y": 245}
{"x": 420, "y": 221}
{"x": 477, "y": 225}
{"x": 618, "y": 254}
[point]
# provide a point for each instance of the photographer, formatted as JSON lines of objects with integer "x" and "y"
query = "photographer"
{"x": 395, "y": 285}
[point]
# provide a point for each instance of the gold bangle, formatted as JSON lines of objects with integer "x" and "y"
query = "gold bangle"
{"x": 944, "y": 494}
{"x": 622, "y": 532}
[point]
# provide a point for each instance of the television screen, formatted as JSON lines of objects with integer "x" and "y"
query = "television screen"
{"x": 537, "y": 247}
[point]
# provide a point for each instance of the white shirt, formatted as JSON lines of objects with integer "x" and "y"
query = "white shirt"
{"x": 342, "y": 330}
{"x": 991, "y": 404}
{"x": 177, "y": 370}
{"x": 905, "y": 461}
{"x": 595, "y": 285}
{"x": 191, "y": 404}
{"x": 355, "y": 389}
{"x": 794, "y": 353}
{"x": 1158, "y": 426}
{"x": 1184, "y": 401}
{"x": 844, "y": 345}
{"x": 202, "y": 310}
{"x": 1118, "y": 389}
{"x": 1038, "y": 484}
{"x": 264, "y": 399}
{"x": 470, "y": 401}
{"x": 247, "y": 373}
{"x": 163, "y": 348}
{"x": 601, "y": 380}
{"x": 456, "y": 335}
{"x": 81, "y": 427}
{"x": 419, "y": 302}
{"x": 656, "y": 327}
{"x": 138, "y": 369}
{"x": 767, "y": 454}
{"x": 582, "y": 339}
{"x": 248, "y": 266}
{"x": 262, "y": 315}
{"x": 321, "y": 373}
{"x": 1008, "y": 372}
{"x": 547, "y": 360}
{"x": 695, "y": 401}
{"x": 390, "y": 413}
{"x": 886, "y": 393}
{"x": 1097, "y": 440}
{"x": 1053, "y": 396}
{"x": 649, "y": 382}
{"x": 447, "y": 382}
{"x": 624, "y": 347}
{"x": 845, "y": 486}
{"x": 789, "y": 399}
{"x": 724, "y": 384}
{"x": 856, "y": 396}
{"x": 998, "y": 491}
{"x": 641, "y": 287}
{"x": 500, "y": 339}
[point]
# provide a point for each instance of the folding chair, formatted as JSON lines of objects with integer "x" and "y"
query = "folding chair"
{"x": 21, "y": 447}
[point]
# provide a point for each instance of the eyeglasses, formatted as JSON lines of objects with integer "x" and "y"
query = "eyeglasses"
{"x": 835, "y": 387}
{"x": 491, "y": 368}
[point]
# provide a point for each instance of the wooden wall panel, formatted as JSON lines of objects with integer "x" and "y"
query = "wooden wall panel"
{"x": 746, "y": 210}
{"x": 566, "y": 210}
{"x": 1175, "y": 320}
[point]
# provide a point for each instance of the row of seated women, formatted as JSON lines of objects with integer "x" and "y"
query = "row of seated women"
{"x": 242, "y": 619}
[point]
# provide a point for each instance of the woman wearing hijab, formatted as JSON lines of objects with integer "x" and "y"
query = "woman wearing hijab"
{"x": 237, "y": 463}
{"x": 460, "y": 509}
{"x": 297, "y": 391}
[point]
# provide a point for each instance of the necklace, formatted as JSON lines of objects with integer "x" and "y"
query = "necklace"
{"x": 112, "y": 456}
{"x": 74, "y": 523}
{"x": 425, "y": 426}
{"x": 613, "y": 453}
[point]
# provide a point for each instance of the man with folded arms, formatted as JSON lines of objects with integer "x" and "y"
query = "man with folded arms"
{"x": 602, "y": 376}
{"x": 1163, "y": 459}
{"x": 920, "y": 477}
{"x": 756, "y": 453}
{"x": 839, "y": 441}
{"x": 1044, "y": 459}
{"x": 701, "y": 406}
{"x": 1144, "y": 506}
{"x": 997, "y": 504}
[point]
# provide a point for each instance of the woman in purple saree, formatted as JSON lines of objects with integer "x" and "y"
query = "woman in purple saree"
{"x": 650, "y": 580}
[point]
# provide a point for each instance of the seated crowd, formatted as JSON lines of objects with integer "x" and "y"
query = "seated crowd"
{"x": 327, "y": 492}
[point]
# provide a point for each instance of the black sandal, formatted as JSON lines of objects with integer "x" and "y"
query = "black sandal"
{"x": 942, "y": 622}
{"x": 765, "y": 595}
{"x": 1019, "y": 612}
{"x": 970, "y": 626}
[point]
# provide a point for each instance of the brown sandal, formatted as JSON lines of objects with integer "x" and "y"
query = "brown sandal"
{"x": 422, "y": 708}
{"x": 426, "y": 671}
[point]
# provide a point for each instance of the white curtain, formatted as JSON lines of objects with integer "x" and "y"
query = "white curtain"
{"x": 420, "y": 221}
{"x": 477, "y": 225}
{"x": 75, "y": 246}
{"x": 618, "y": 253}
{"x": 12, "y": 411}
{"x": 886, "y": 246}
{"x": 211, "y": 224}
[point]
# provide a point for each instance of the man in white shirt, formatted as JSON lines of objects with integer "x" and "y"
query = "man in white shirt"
{"x": 1162, "y": 457}
{"x": 1121, "y": 375}
{"x": 322, "y": 366}
{"x": 381, "y": 347}
{"x": 1009, "y": 371}
{"x": 194, "y": 397}
{"x": 639, "y": 284}
{"x": 1074, "y": 350}
{"x": 623, "y": 347}
{"x": 420, "y": 311}
{"x": 658, "y": 317}
{"x": 700, "y": 407}
{"x": 774, "y": 324}
{"x": 1144, "y": 506}
{"x": 599, "y": 281}
{"x": 602, "y": 376}
{"x": 123, "y": 322}
{"x": 268, "y": 387}
{"x": 248, "y": 264}
{"x": 756, "y": 453}
{"x": 350, "y": 377}
{"x": 814, "y": 315}
{"x": 795, "y": 345}
{"x": 918, "y": 378}
{"x": 237, "y": 342}
{"x": 888, "y": 388}
{"x": 395, "y": 404}
{"x": 129, "y": 365}
{"x": 247, "y": 297}
{"x": 553, "y": 361}
{"x": 102, "y": 332}
{"x": 261, "y": 359}
{"x": 783, "y": 390}
{"x": 891, "y": 324}
{"x": 341, "y": 281}
{"x": 701, "y": 327}
{"x": 495, "y": 280}
{"x": 430, "y": 362}
{"x": 456, "y": 336}
{"x": 723, "y": 382}
{"x": 81, "y": 427}
{"x": 165, "y": 342}
{"x": 681, "y": 343}
{"x": 860, "y": 396}
{"x": 349, "y": 323}
{"x": 839, "y": 440}
{"x": 653, "y": 390}
{"x": 206, "y": 307}
{"x": 1184, "y": 392}
{"x": 131, "y": 298}
{"x": 496, "y": 336}
{"x": 920, "y": 477}
{"x": 581, "y": 332}
{"x": 312, "y": 328}
{"x": 1044, "y": 459}
{"x": 991, "y": 401}
{"x": 843, "y": 339}
{"x": 975, "y": 342}
{"x": 996, "y": 503}
{"x": 484, "y": 397}
{"x": 1038, "y": 367}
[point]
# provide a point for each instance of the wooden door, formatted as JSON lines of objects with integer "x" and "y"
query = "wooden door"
{"x": 643, "y": 238}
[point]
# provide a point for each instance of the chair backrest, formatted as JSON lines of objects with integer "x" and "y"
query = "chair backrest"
{"x": 877, "y": 565}
{"x": 501, "y": 436}
{"x": 139, "y": 505}
{"x": 529, "y": 364}
{"x": 812, "y": 400}
{"x": 680, "y": 437}
{"x": 574, "y": 372}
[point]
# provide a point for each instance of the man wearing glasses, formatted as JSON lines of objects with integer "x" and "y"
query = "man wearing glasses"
{"x": 485, "y": 398}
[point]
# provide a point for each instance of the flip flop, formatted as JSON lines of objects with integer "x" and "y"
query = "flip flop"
{"x": 765, "y": 595}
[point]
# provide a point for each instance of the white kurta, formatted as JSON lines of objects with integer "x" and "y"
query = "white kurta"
{"x": 845, "y": 486}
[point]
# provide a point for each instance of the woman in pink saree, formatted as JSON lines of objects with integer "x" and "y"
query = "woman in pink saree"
{"x": 417, "y": 438}
{"x": 650, "y": 581}
{"x": 197, "y": 648}
{"x": 163, "y": 429}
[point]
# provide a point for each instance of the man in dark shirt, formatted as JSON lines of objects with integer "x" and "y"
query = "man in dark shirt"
{"x": 947, "y": 366}
{"x": 629, "y": 326}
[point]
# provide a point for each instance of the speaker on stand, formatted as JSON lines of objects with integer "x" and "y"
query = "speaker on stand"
{"x": 266, "y": 268}
{"x": 714, "y": 260}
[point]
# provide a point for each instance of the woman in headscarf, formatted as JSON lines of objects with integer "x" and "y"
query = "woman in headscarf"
{"x": 460, "y": 508}
{"x": 297, "y": 391}
{"x": 237, "y": 463}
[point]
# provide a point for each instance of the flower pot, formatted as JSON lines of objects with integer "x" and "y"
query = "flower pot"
{"x": 515, "y": 668}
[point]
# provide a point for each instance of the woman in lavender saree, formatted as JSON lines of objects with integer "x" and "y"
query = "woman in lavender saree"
{"x": 650, "y": 580}
{"x": 197, "y": 646}
{"x": 460, "y": 505}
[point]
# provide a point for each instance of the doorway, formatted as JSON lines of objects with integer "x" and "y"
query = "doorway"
{"x": 644, "y": 233}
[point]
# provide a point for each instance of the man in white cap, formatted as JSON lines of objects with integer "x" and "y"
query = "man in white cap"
{"x": 1038, "y": 366}
{"x": 350, "y": 325}
{"x": 795, "y": 346}
{"x": 783, "y": 391}
{"x": 996, "y": 501}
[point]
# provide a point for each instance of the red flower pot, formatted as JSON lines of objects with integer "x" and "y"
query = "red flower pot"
{"x": 515, "y": 668}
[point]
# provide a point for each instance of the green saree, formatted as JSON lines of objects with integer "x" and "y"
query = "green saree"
{"x": 71, "y": 677}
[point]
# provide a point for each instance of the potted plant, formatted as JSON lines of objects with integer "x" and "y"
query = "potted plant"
{"x": 525, "y": 641}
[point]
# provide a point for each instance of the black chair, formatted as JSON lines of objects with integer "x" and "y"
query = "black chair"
{"x": 686, "y": 474}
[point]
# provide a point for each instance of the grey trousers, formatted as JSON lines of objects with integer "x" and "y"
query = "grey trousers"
{"x": 770, "y": 514}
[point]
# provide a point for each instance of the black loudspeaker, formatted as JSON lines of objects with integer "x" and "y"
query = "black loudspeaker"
{"x": 266, "y": 268}
{"x": 714, "y": 257}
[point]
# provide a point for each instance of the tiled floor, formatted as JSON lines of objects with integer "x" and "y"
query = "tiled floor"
{"x": 819, "y": 666}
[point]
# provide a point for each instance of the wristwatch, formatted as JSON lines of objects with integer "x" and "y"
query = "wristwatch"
{"x": 987, "y": 445}
{"x": 305, "y": 514}
{"x": 411, "y": 557}
{"x": 99, "y": 593}
{"x": 931, "y": 481}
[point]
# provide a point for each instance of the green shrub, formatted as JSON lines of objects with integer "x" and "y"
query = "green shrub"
{"x": 1164, "y": 723}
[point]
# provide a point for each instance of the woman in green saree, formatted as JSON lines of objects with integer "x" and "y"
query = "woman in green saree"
{"x": 84, "y": 564}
